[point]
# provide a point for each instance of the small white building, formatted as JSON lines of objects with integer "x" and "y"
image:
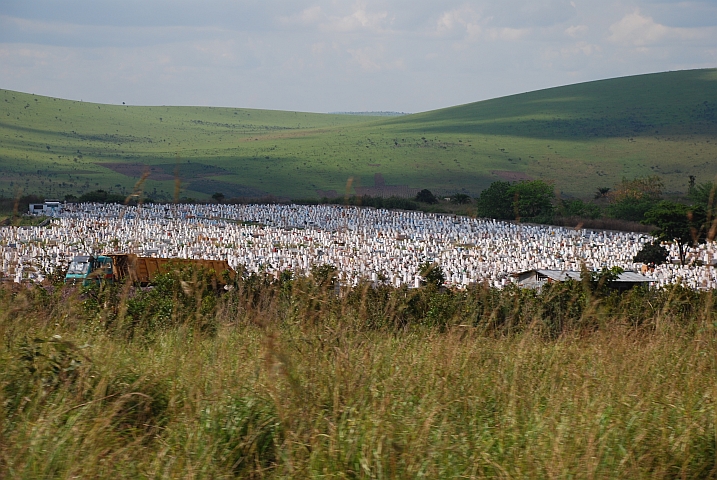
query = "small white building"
{"x": 49, "y": 208}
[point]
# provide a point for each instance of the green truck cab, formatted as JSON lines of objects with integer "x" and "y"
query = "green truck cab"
{"x": 88, "y": 270}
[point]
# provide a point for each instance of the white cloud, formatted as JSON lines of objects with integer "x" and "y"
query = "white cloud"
{"x": 580, "y": 48}
{"x": 640, "y": 30}
{"x": 576, "y": 30}
{"x": 463, "y": 19}
{"x": 508, "y": 34}
{"x": 358, "y": 18}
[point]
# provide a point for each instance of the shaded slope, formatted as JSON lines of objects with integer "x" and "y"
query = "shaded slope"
{"x": 673, "y": 102}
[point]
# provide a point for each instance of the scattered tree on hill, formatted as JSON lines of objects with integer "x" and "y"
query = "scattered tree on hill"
{"x": 675, "y": 222}
{"x": 218, "y": 197}
{"x": 426, "y": 196}
{"x": 651, "y": 254}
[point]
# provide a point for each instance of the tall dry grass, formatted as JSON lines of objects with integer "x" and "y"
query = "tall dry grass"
{"x": 286, "y": 379}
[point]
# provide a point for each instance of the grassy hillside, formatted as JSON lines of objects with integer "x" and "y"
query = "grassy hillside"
{"x": 581, "y": 137}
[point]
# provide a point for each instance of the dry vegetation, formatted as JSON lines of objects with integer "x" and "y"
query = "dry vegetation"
{"x": 287, "y": 379}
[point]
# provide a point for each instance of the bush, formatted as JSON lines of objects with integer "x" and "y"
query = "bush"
{"x": 630, "y": 208}
{"x": 578, "y": 208}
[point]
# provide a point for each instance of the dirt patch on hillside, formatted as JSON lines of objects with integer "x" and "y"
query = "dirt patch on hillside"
{"x": 511, "y": 176}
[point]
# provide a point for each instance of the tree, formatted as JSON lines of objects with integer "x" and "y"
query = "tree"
{"x": 704, "y": 194}
{"x": 460, "y": 199}
{"x": 631, "y": 199}
{"x": 640, "y": 188}
{"x": 505, "y": 201}
{"x": 496, "y": 201}
{"x": 602, "y": 192}
{"x": 426, "y": 196}
{"x": 432, "y": 274}
{"x": 533, "y": 199}
{"x": 325, "y": 275}
{"x": 675, "y": 222}
{"x": 218, "y": 197}
{"x": 651, "y": 254}
{"x": 578, "y": 208}
{"x": 630, "y": 208}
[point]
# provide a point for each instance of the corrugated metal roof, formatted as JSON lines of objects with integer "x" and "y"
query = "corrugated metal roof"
{"x": 563, "y": 275}
{"x": 634, "y": 277}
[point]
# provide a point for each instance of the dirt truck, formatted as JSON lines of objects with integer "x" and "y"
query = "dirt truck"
{"x": 88, "y": 269}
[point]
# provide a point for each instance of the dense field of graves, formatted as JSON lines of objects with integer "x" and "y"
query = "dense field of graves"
{"x": 380, "y": 246}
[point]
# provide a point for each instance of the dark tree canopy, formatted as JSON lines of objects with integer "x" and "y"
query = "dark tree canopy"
{"x": 651, "y": 254}
{"x": 675, "y": 222}
{"x": 630, "y": 208}
{"x": 432, "y": 274}
{"x": 578, "y": 208}
{"x": 533, "y": 199}
{"x": 426, "y": 196}
{"x": 631, "y": 199}
{"x": 705, "y": 196}
{"x": 527, "y": 199}
{"x": 496, "y": 202}
{"x": 460, "y": 199}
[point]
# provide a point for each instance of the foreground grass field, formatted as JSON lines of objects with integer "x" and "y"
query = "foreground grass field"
{"x": 286, "y": 380}
{"x": 581, "y": 137}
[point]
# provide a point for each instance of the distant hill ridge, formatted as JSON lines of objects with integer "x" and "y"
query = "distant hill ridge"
{"x": 580, "y": 137}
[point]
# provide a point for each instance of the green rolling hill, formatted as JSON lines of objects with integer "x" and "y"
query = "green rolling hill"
{"x": 580, "y": 137}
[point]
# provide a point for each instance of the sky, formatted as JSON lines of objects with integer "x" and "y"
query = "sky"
{"x": 330, "y": 55}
